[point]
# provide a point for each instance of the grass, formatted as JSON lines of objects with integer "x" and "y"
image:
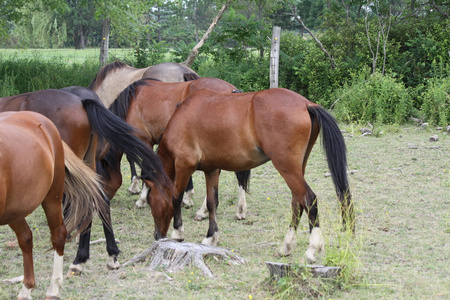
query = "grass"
{"x": 401, "y": 249}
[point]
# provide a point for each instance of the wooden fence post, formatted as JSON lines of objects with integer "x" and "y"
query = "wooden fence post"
{"x": 274, "y": 56}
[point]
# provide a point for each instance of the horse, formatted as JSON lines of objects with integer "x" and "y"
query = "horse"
{"x": 148, "y": 104}
{"x": 215, "y": 131}
{"x": 113, "y": 78}
{"x": 38, "y": 169}
{"x": 84, "y": 124}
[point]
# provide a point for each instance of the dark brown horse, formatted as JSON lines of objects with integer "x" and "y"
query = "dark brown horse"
{"x": 148, "y": 104}
{"x": 82, "y": 123}
{"x": 212, "y": 132}
{"x": 37, "y": 168}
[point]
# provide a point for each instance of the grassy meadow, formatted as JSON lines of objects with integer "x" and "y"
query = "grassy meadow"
{"x": 401, "y": 186}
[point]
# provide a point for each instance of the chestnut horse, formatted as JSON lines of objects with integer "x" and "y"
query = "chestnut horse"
{"x": 148, "y": 104}
{"x": 37, "y": 169}
{"x": 81, "y": 124}
{"x": 211, "y": 132}
{"x": 113, "y": 78}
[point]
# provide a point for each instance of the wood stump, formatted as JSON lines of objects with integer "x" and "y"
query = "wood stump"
{"x": 173, "y": 256}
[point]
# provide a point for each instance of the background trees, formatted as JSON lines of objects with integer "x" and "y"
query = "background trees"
{"x": 407, "y": 41}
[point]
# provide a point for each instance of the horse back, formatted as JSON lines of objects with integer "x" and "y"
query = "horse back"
{"x": 30, "y": 155}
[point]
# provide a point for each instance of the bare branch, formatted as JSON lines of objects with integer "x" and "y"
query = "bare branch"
{"x": 194, "y": 51}
{"x": 299, "y": 19}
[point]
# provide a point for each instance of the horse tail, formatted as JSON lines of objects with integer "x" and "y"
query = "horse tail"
{"x": 83, "y": 193}
{"x": 243, "y": 178}
{"x": 334, "y": 146}
{"x": 123, "y": 138}
{"x": 335, "y": 150}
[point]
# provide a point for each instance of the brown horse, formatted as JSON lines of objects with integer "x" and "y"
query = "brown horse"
{"x": 37, "y": 168}
{"x": 81, "y": 124}
{"x": 148, "y": 104}
{"x": 116, "y": 76}
{"x": 212, "y": 132}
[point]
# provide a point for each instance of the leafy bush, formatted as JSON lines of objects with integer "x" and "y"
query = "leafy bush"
{"x": 32, "y": 74}
{"x": 436, "y": 101}
{"x": 373, "y": 98}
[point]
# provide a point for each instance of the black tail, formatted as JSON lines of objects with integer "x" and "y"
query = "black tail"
{"x": 335, "y": 150}
{"x": 123, "y": 138}
{"x": 243, "y": 178}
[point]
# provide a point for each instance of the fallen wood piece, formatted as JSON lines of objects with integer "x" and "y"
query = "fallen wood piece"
{"x": 103, "y": 240}
{"x": 14, "y": 280}
{"x": 283, "y": 270}
{"x": 434, "y": 138}
{"x": 173, "y": 256}
{"x": 351, "y": 172}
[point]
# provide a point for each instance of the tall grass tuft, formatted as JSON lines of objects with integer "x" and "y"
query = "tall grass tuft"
{"x": 24, "y": 75}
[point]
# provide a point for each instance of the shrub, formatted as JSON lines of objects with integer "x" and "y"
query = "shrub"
{"x": 373, "y": 98}
{"x": 436, "y": 101}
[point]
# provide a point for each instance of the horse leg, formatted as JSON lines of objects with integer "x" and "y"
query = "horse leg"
{"x": 316, "y": 243}
{"x": 134, "y": 187}
{"x": 202, "y": 213}
{"x": 243, "y": 178}
{"x": 182, "y": 176}
{"x": 25, "y": 240}
{"x": 58, "y": 232}
{"x": 189, "y": 194}
{"x": 142, "y": 201}
{"x": 111, "y": 245}
{"x": 76, "y": 268}
{"x": 212, "y": 195}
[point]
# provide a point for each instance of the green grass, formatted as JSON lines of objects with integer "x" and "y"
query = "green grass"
{"x": 401, "y": 249}
{"x": 63, "y": 55}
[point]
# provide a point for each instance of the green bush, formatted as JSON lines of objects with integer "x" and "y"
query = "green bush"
{"x": 436, "y": 101}
{"x": 32, "y": 74}
{"x": 373, "y": 98}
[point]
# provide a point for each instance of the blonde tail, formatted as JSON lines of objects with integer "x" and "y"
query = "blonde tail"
{"x": 83, "y": 193}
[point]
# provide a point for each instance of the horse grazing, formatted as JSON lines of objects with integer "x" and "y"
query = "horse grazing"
{"x": 37, "y": 169}
{"x": 113, "y": 78}
{"x": 148, "y": 105}
{"x": 211, "y": 132}
{"x": 85, "y": 124}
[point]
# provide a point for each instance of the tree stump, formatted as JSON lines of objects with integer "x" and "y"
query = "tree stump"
{"x": 282, "y": 270}
{"x": 173, "y": 256}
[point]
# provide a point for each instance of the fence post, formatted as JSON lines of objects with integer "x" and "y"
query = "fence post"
{"x": 274, "y": 56}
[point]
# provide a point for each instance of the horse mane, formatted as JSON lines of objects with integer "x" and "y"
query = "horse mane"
{"x": 121, "y": 105}
{"x": 104, "y": 71}
{"x": 190, "y": 76}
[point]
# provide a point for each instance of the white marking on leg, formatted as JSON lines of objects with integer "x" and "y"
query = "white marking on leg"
{"x": 242, "y": 205}
{"x": 202, "y": 213}
{"x": 316, "y": 244}
{"x": 112, "y": 263}
{"x": 134, "y": 187}
{"x": 25, "y": 293}
{"x": 178, "y": 234}
{"x": 142, "y": 202}
{"x": 289, "y": 243}
{"x": 212, "y": 240}
{"x": 57, "y": 276}
{"x": 188, "y": 198}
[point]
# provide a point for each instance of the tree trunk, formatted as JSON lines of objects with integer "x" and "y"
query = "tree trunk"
{"x": 194, "y": 50}
{"x": 82, "y": 44}
{"x": 104, "y": 45}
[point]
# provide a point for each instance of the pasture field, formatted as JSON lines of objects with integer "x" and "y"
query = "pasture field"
{"x": 401, "y": 186}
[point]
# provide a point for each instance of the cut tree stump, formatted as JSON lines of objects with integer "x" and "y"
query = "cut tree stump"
{"x": 282, "y": 270}
{"x": 173, "y": 256}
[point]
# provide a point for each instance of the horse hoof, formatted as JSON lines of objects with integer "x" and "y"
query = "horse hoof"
{"x": 140, "y": 204}
{"x": 178, "y": 234}
{"x": 199, "y": 217}
{"x": 239, "y": 217}
{"x": 212, "y": 240}
{"x": 113, "y": 263}
{"x": 75, "y": 270}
